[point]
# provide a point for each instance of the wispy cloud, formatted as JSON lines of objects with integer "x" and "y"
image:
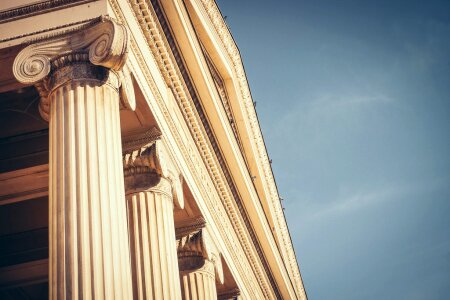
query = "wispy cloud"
{"x": 324, "y": 114}
{"x": 327, "y": 104}
{"x": 349, "y": 100}
{"x": 345, "y": 104}
{"x": 357, "y": 201}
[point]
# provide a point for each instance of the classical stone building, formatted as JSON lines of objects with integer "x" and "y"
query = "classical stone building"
{"x": 132, "y": 165}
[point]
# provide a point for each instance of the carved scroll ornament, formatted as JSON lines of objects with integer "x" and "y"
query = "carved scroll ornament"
{"x": 102, "y": 44}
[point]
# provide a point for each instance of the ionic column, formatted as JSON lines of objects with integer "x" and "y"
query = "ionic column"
{"x": 79, "y": 77}
{"x": 200, "y": 266}
{"x": 151, "y": 190}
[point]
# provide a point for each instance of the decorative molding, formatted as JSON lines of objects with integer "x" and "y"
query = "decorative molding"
{"x": 171, "y": 60}
{"x": 229, "y": 45}
{"x": 37, "y": 9}
{"x": 223, "y": 212}
{"x": 61, "y": 59}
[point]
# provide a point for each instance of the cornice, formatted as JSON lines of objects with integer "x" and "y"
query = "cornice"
{"x": 212, "y": 11}
{"x": 243, "y": 258}
{"x": 210, "y": 150}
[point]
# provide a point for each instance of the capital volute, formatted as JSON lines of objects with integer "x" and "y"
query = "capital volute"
{"x": 105, "y": 42}
{"x": 102, "y": 42}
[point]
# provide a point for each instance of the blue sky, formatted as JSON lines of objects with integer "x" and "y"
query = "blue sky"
{"x": 353, "y": 99}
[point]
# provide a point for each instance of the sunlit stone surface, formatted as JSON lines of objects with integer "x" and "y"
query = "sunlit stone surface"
{"x": 132, "y": 165}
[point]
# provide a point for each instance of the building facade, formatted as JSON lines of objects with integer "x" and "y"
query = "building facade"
{"x": 132, "y": 164}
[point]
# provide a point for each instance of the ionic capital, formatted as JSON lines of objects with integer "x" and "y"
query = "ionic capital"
{"x": 146, "y": 163}
{"x": 102, "y": 44}
{"x": 105, "y": 42}
{"x": 196, "y": 253}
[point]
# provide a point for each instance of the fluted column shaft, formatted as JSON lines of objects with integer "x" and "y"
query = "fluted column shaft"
{"x": 153, "y": 243}
{"x": 199, "y": 284}
{"x": 89, "y": 252}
